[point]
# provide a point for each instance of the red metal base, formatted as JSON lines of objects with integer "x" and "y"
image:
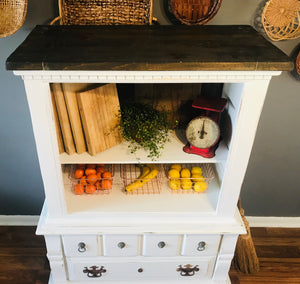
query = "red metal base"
{"x": 206, "y": 153}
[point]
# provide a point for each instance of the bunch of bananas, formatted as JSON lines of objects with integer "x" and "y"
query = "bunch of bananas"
{"x": 148, "y": 172}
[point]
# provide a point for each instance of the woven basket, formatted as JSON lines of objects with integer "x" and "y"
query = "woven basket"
{"x": 281, "y": 19}
{"x": 298, "y": 63}
{"x": 195, "y": 12}
{"x": 12, "y": 16}
{"x": 105, "y": 12}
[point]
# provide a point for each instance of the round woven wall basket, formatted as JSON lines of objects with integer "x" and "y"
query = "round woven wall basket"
{"x": 194, "y": 12}
{"x": 281, "y": 19}
{"x": 12, "y": 16}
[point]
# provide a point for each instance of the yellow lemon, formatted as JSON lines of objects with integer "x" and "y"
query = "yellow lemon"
{"x": 174, "y": 184}
{"x": 196, "y": 171}
{"x": 186, "y": 184}
{"x": 185, "y": 173}
{"x": 200, "y": 186}
{"x": 197, "y": 177}
{"x": 176, "y": 167}
{"x": 174, "y": 173}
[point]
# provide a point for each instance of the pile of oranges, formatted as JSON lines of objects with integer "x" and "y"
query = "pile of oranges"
{"x": 92, "y": 177}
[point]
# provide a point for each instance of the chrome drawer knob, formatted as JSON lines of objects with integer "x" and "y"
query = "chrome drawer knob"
{"x": 201, "y": 246}
{"x": 81, "y": 247}
{"x": 121, "y": 245}
{"x": 161, "y": 244}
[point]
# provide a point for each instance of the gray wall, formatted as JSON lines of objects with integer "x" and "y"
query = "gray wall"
{"x": 271, "y": 184}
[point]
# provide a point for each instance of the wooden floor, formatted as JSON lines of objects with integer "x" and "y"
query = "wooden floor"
{"x": 23, "y": 257}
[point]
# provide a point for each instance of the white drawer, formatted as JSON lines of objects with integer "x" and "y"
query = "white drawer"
{"x": 80, "y": 245}
{"x": 200, "y": 245}
{"x": 120, "y": 245}
{"x": 160, "y": 245}
{"x": 133, "y": 270}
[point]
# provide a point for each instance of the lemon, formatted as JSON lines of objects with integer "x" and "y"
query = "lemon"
{"x": 176, "y": 167}
{"x": 197, "y": 177}
{"x": 200, "y": 186}
{"x": 185, "y": 173}
{"x": 196, "y": 170}
{"x": 174, "y": 173}
{"x": 186, "y": 184}
{"x": 174, "y": 184}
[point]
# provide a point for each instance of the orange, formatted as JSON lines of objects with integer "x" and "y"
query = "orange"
{"x": 91, "y": 179}
{"x": 79, "y": 189}
{"x": 79, "y": 173}
{"x": 107, "y": 175}
{"x": 106, "y": 184}
{"x": 83, "y": 180}
{"x": 100, "y": 170}
{"x": 91, "y": 166}
{"x": 81, "y": 166}
{"x": 90, "y": 171}
{"x": 90, "y": 188}
{"x": 98, "y": 185}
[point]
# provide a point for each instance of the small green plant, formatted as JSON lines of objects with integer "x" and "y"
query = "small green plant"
{"x": 144, "y": 127}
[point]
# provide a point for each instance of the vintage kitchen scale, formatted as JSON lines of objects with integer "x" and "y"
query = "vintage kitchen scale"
{"x": 203, "y": 132}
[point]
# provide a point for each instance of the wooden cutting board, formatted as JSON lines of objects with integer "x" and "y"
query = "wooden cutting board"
{"x": 61, "y": 147}
{"x": 70, "y": 90}
{"x": 99, "y": 109}
{"x": 63, "y": 118}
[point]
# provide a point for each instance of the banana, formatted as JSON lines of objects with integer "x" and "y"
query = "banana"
{"x": 149, "y": 172}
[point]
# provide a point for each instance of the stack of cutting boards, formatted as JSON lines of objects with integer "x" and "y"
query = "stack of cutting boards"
{"x": 86, "y": 117}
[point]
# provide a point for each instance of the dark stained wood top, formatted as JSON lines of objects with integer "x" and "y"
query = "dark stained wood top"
{"x": 147, "y": 48}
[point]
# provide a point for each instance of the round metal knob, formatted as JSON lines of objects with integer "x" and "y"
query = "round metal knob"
{"x": 161, "y": 244}
{"x": 121, "y": 245}
{"x": 201, "y": 246}
{"x": 81, "y": 247}
{"x": 140, "y": 270}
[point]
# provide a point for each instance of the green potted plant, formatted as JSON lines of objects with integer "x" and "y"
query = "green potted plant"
{"x": 144, "y": 127}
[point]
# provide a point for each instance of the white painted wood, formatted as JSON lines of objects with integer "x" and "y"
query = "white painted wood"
{"x": 18, "y": 220}
{"x": 39, "y": 99}
{"x": 120, "y": 245}
{"x": 161, "y": 245}
{"x": 281, "y": 222}
{"x": 147, "y": 76}
{"x": 114, "y": 218}
{"x": 81, "y": 245}
{"x": 156, "y": 269}
{"x": 200, "y": 245}
{"x": 242, "y": 140}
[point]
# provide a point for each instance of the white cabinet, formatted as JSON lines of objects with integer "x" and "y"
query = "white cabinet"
{"x": 166, "y": 237}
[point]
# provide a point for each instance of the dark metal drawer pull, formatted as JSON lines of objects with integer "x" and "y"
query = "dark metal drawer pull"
{"x": 94, "y": 272}
{"x": 201, "y": 246}
{"x": 121, "y": 245}
{"x": 161, "y": 244}
{"x": 81, "y": 247}
{"x": 187, "y": 270}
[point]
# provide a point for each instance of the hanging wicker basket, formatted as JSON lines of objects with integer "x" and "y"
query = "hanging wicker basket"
{"x": 12, "y": 16}
{"x": 105, "y": 12}
{"x": 195, "y": 12}
{"x": 281, "y": 19}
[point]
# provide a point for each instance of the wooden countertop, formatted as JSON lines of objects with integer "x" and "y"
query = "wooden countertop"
{"x": 234, "y": 48}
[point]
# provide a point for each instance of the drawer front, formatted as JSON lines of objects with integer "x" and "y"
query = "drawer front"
{"x": 160, "y": 245}
{"x": 139, "y": 271}
{"x": 120, "y": 245}
{"x": 200, "y": 245}
{"x": 80, "y": 245}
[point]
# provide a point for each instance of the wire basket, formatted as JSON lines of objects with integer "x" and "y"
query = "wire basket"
{"x": 12, "y": 16}
{"x": 105, "y": 12}
{"x": 281, "y": 19}
{"x": 177, "y": 183}
{"x": 97, "y": 183}
{"x": 195, "y": 12}
{"x": 131, "y": 172}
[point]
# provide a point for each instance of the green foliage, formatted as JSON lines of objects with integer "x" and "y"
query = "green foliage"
{"x": 144, "y": 127}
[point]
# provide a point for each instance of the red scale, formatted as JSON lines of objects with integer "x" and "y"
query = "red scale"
{"x": 203, "y": 132}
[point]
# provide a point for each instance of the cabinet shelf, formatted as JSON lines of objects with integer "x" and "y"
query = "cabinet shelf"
{"x": 120, "y": 154}
{"x": 119, "y": 202}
